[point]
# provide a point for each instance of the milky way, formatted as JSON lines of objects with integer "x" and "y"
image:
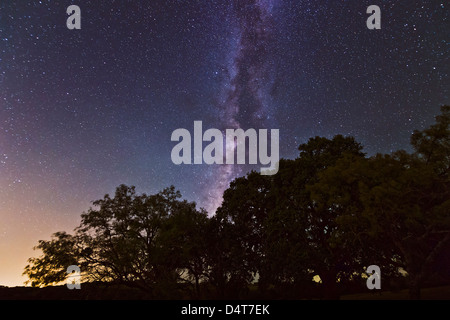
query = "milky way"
{"x": 251, "y": 68}
{"x": 245, "y": 101}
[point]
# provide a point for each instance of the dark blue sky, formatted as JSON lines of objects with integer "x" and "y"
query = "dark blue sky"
{"x": 82, "y": 111}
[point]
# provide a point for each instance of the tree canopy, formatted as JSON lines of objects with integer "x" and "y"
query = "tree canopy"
{"x": 326, "y": 215}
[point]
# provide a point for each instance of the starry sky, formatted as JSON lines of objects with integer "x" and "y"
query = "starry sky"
{"x": 83, "y": 111}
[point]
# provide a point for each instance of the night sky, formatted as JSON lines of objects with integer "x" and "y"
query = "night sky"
{"x": 83, "y": 111}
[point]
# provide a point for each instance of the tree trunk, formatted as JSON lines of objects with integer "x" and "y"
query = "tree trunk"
{"x": 197, "y": 287}
{"x": 414, "y": 287}
{"x": 329, "y": 286}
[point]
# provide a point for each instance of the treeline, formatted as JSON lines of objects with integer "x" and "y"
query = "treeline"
{"x": 327, "y": 215}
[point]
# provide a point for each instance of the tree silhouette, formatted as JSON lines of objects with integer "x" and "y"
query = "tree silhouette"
{"x": 394, "y": 209}
{"x": 242, "y": 216}
{"x": 122, "y": 240}
{"x": 409, "y": 202}
{"x": 330, "y": 212}
{"x": 183, "y": 246}
{"x": 304, "y": 228}
{"x": 51, "y": 267}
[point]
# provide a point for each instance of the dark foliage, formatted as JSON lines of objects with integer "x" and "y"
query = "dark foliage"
{"x": 329, "y": 213}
